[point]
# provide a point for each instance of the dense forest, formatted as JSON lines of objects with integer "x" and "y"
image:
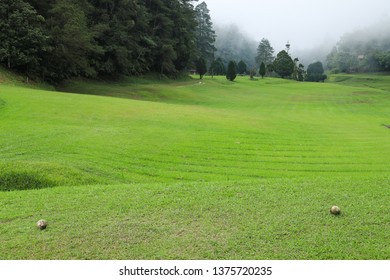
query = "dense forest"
{"x": 58, "y": 39}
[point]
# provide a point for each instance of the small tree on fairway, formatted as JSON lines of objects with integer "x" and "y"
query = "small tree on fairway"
{"x": 262, "y": 70}
{"x": 231, "y": 71}
{"x": 201, "y": 67}
{"x": 241, "y": 68}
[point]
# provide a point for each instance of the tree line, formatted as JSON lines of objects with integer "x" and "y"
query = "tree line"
{"x": 56, "y": 40}
{"x": 364, "y": 50}
{"x": 266, "y": 63}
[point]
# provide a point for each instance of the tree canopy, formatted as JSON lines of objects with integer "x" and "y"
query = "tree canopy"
{"x": 22, "y": 38}
{"x": 205, "y": 34}
{"x": 315, "y": 72}
{"x": 283, "y": 64}
{"x": 59, "y": 39}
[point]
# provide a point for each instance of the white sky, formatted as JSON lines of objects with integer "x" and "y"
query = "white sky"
{"x": 305, "y": 23}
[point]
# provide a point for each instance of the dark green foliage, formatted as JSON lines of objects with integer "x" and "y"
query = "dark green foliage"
{"x": 218, "y": 67}
{"x": 270, "y": 68}
{"x": 21, "y": 36}
{"x": 118, "y": 28}
{"x": 91, "y": 38}
{"x": 205, "y": 34}
{"x": 231, "y": 73}
{"x": 70, "y": 43}
{"x": 262, "y": 70}
{"x": 201, "y": 67}
{"x": 241, "y": 68}
{"x": 315, "y": 72}
{"x": 283, "y": 64}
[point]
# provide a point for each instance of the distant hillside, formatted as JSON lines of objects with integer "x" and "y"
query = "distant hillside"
{"x": 363, "y": 50}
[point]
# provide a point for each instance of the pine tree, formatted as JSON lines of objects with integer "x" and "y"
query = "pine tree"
{"x": 262, "y": 70}
{"x": 205, "y": 35}
{"x": 101, "y": 37}
{"x": 70, "y": 43}
{"x": 231, "y": 73}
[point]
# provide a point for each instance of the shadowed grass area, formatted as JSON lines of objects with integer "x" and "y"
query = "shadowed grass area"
{"x": 196, "y": 170}
{"x": 23, "y": 181}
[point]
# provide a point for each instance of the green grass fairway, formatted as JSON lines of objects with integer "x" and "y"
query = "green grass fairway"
{"x": 150, "y": 169}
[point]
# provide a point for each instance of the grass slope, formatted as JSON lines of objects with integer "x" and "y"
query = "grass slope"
{"x": 196, "y": 170}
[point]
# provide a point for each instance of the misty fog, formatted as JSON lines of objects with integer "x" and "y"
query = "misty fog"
{"x": 312, "y": 28}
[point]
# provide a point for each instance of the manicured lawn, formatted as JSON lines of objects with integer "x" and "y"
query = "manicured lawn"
{"x": 150, "y": 169}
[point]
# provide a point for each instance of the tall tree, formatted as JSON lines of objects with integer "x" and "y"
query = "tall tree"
{"x": 121, "y": 30}
{"x": 21, "y": 35}
{"x": 265, "y": 52}
{"x": 70, "y": 42}
{"x": 283, "y": 64}
{"x": 184, "y": 33}
{"x": 205, "y": 34}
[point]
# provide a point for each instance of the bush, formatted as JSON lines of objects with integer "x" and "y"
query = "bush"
{"x": 315, "y": 72}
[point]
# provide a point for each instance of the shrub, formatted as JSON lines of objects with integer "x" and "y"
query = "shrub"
{"x": 231, "y": 71}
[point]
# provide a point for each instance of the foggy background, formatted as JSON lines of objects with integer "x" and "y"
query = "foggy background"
{"x": 311, "y": 27}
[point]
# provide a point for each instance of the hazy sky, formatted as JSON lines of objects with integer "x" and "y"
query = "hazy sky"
{"x": 305, "y": 23}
